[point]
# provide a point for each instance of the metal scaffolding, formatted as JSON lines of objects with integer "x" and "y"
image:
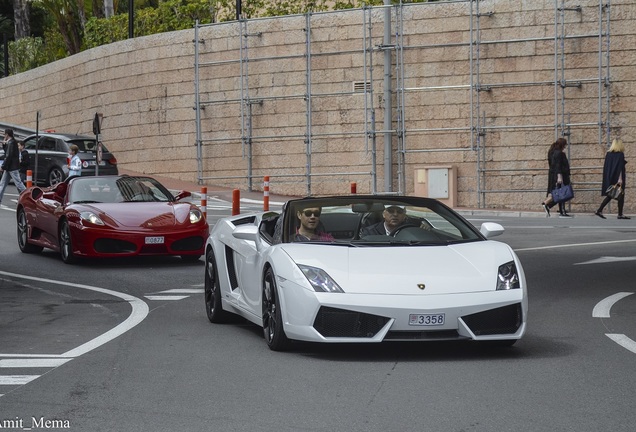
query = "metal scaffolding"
{"x": 478, "y": 126}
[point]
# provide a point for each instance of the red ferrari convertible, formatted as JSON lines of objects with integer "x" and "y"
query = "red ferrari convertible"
{"x": 110, "y": 216}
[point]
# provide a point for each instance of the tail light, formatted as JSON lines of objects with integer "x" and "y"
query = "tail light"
{"x": 113, "y": 160}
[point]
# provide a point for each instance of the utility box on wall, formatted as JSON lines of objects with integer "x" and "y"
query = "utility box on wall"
{"x": 439, "y": 182}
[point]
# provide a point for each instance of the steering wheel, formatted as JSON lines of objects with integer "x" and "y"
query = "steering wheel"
{"x": 396, "y": 231}
{"x": 142, "y": 197}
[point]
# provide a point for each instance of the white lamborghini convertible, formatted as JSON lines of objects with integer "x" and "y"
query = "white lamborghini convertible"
{"x": 365, "y": 269}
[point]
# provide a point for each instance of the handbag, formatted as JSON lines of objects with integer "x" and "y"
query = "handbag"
{"x": 562, "y": 193}
{"x": 614, "y": 191}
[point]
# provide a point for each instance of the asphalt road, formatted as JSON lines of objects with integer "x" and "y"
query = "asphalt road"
{"x": 124, "y": 345}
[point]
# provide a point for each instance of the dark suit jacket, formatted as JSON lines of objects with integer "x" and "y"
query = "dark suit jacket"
{"x": 11, "y": 156}
{"x": 375, "y": 229}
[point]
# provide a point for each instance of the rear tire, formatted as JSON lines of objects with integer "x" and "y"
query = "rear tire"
{"x": 213, "y": 303}
{"x": 55, "y": 176}
{"x": 66, "y": 243}
{"x": 23, "y": 234}
{"x": 272, "y": 315}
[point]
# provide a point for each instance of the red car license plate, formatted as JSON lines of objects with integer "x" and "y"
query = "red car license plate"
{"x": 154, "y": 240}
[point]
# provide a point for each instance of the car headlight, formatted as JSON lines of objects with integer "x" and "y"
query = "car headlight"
{"x": 508, "y": 277}
{"x": 195, "y": 215}
{"x": 320, "y": 281}
{"x": 91, "y": 217}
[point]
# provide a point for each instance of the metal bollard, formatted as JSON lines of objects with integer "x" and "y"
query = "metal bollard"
{"x": 236, "y": 202}
{"x": 204, "y": 201}
{"x": 266, "y": 193}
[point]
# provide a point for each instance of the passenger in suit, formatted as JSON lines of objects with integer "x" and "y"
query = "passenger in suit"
{"x": 394, "y": 217}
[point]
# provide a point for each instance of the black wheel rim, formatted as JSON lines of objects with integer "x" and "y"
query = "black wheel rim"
{"x": 210, "y": 284}
{"x": 22, "y": 230}
{"x": 269, "y": 309}
{"x": 65, "y": 241}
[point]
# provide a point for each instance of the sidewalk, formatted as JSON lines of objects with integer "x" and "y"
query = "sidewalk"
{"x": 225, "y": 193}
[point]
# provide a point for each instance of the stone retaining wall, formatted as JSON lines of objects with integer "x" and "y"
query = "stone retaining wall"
{"x": 145, "y": 89}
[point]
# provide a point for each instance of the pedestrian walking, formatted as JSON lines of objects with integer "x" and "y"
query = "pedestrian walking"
{"x": 25, "y": 161}
{"x": 11, "y": 165}
{"x": 558, "y": 175}
{"x": 614, "y": 174}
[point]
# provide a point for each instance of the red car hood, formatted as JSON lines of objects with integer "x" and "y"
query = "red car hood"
{"x": 152, "y": 215}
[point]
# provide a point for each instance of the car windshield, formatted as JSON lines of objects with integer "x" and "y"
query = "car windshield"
{"x": 117, "y": 189}
{"x": 375, "y": 221}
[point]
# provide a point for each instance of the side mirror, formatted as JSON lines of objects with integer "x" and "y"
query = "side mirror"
{"x": 183, "y": 194}
{"x": 491, "y": 229}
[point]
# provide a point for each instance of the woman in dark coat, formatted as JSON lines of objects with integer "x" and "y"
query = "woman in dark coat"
{"x": 614, "y": 173}
{"x": 558, "y": 174}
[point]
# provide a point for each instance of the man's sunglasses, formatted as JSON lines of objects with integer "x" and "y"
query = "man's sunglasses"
{"x": 396, "y": 210}
{"x": 308, "y": 213}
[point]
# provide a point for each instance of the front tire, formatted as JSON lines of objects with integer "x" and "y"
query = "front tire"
{"x": 66, "y": 243}
{"x": 23, "y": 234}
{"x": 272, "y": 315}
{"x": 213, "y": 304}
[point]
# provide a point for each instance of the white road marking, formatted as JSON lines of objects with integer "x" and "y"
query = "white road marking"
{"x": 602, "y": 308}
{"x": 623, "y": 341}
{"x": 138, "y": 314}
{"x": 163, "y": 298}
{"x": 182, "y": 291}
{"x": 575, "y": 245}
{"x": 17, "y": 379}
{"x": 607, "y": 259}
{"x": 33, "y": 363}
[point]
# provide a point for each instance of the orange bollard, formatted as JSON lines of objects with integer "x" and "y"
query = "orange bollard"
{"x": 354, "y": 187}
{"x": 266, "y": 193}
{"x": 204, "y": 201}
{"x": 29, "y": 179}
{"x": 236, "y": 202}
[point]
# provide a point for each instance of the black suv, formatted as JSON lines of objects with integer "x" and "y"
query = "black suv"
{"x": 53, "y": 156}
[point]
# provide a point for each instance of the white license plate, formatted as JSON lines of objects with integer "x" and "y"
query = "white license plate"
{"x": 154, "y": 240}
{"x": 426, "y": 319}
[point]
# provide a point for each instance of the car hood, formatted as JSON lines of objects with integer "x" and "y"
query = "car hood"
{"x": 152, "y": 215}
{"x": 468, "y": 267}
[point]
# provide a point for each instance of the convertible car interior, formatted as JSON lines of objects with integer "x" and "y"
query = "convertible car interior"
{"x": 345, "y": 221}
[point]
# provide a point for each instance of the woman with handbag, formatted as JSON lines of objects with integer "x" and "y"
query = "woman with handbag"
{"x": 614, "y": 178}
{"x": 558, "y": 175}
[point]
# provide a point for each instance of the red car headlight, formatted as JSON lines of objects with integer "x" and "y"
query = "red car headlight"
{"x": 90, "y": 217}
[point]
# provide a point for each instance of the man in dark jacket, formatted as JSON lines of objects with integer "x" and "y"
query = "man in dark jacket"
{"x": 11, "y": 164}
{"x": 25, "y": 161}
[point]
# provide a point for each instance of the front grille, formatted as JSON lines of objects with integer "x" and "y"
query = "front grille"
{"x": 188, "y": 244}
{"x": 422, "y": 335}
{"x": 503, "y": 320}
{"x": 113, "y": 246}
{"x": 332, "y": 322}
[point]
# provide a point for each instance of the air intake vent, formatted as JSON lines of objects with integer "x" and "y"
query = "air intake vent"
{"x": 359, "y": 86}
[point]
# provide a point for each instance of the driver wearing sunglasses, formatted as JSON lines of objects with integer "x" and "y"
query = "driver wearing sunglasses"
{"x": 309, "y": 228}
